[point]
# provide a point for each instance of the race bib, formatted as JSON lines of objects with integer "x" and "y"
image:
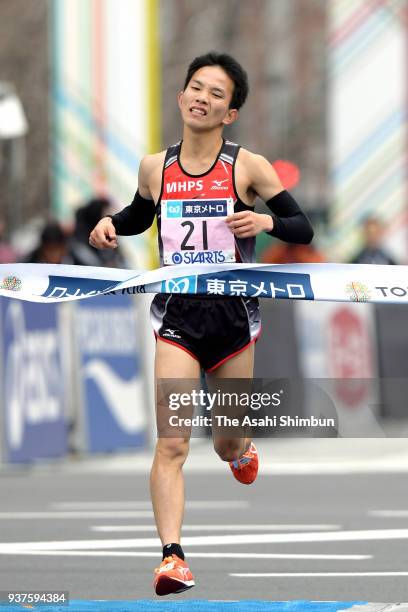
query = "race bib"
{"x": 195, "y": 231}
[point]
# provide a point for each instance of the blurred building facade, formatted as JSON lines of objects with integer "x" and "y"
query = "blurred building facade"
{"x": 367, "y": 127}
{"x": 24, "y": 62}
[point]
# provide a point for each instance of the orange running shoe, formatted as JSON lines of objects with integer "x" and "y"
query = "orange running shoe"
{"x": 245, "y": 469}
{"x": 172, "y": 576}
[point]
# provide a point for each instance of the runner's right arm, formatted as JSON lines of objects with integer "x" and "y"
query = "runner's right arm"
{"x": 133, "y": 219}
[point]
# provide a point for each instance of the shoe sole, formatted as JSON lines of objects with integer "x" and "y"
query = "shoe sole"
{"x": 166, "y": 585}
{"x": 245, "y": 483}
{"x": 236, "y": 476}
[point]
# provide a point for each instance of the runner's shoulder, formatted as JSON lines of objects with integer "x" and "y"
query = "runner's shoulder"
{"x": 250, "y": 159}
{"x": 257, "y": 167}
{"x": 152, "y": 162}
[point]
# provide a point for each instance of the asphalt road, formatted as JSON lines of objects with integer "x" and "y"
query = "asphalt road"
{"x": 286, "y": 537}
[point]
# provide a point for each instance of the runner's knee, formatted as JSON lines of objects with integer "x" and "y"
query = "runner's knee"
{"x": 172, "y": 449}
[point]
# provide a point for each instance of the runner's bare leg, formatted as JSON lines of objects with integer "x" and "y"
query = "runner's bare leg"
{"x": 241, "y": 366}
{"x": 166, "y": 478}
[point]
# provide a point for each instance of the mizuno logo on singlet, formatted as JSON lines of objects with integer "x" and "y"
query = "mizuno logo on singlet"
{"x": 218, "y": 185}
{"x": 176, "y": 186}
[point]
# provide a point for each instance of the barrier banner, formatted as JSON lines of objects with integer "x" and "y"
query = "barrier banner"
{"x": 32, "y": 391}
{"x": 110, "y": 378}
{"x": 326, "y": 282}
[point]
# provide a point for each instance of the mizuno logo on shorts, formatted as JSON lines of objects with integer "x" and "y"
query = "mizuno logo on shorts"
{"x": 170, "y": 333}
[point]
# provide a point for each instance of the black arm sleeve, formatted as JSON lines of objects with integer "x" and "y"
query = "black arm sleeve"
{"x": 135, "y": 218}
{"x": 289, "y": 222}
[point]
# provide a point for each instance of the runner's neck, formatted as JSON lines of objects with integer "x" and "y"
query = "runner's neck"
{"x": 198, "y": 151}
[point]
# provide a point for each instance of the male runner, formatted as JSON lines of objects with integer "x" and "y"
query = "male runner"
{"x": 217, "y": 333}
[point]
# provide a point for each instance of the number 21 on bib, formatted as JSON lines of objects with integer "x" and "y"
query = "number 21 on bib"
{"x": 195, "y": 231}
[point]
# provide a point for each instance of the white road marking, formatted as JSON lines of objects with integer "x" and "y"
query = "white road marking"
{"x": 139, "y": 505}
{"x": 319, "y": 574}
{"x": 215, "y": 555}
{"x": 243, "y": 527}
{"x": 76, "y": 515}
{"x": 112, "y": 510}
{"x": 213, "y": 540}
{"x": 389, "y": 513}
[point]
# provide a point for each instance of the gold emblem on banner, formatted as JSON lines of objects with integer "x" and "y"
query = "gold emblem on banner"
{"x": 358, "y": 292}
{"x": 11, "y": 283}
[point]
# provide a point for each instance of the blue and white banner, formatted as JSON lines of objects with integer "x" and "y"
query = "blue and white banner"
{"x": 112, "y": 385}
{"x": 31, "y": 386}
{"x": 326, "y": 282}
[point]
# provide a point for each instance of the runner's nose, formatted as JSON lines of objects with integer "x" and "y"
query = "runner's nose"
{"x": 202, "y": 98}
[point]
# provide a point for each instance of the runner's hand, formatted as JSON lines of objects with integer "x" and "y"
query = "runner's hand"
{"x": 103, "y": 236}
{"x": 247, "y": 223}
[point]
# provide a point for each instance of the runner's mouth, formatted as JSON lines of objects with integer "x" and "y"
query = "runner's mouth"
{"x": 198, "y": 111}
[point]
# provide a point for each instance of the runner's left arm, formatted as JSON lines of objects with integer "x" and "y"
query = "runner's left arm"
{"x": 133, "y": 219}
{"x": 139, "y": 215}
{"x": 286, "y": 222}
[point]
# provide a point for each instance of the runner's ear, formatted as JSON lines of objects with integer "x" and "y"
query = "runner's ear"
{"x": 179, "y": 98}
{"x": 231, "y": 116}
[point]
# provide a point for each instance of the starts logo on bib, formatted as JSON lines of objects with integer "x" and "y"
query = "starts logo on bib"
{"x": 200, "y": 257}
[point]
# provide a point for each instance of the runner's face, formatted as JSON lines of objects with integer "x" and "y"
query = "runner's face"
{"x": 204, "y": 104}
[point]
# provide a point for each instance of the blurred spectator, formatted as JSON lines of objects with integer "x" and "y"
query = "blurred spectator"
{"x": 285, "y": 253}
{"x": 83, "y": 253}
{"x": 52, "y": 248}
{"x": 7, "y": 253}
{"x": 372, "y": 252}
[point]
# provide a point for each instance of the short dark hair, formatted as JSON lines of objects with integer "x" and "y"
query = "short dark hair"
{"x": 230, "y": 66}
{"x": 52, "y": 233}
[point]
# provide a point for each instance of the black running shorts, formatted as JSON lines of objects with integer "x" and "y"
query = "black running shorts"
{"x": 211, "y": 329}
